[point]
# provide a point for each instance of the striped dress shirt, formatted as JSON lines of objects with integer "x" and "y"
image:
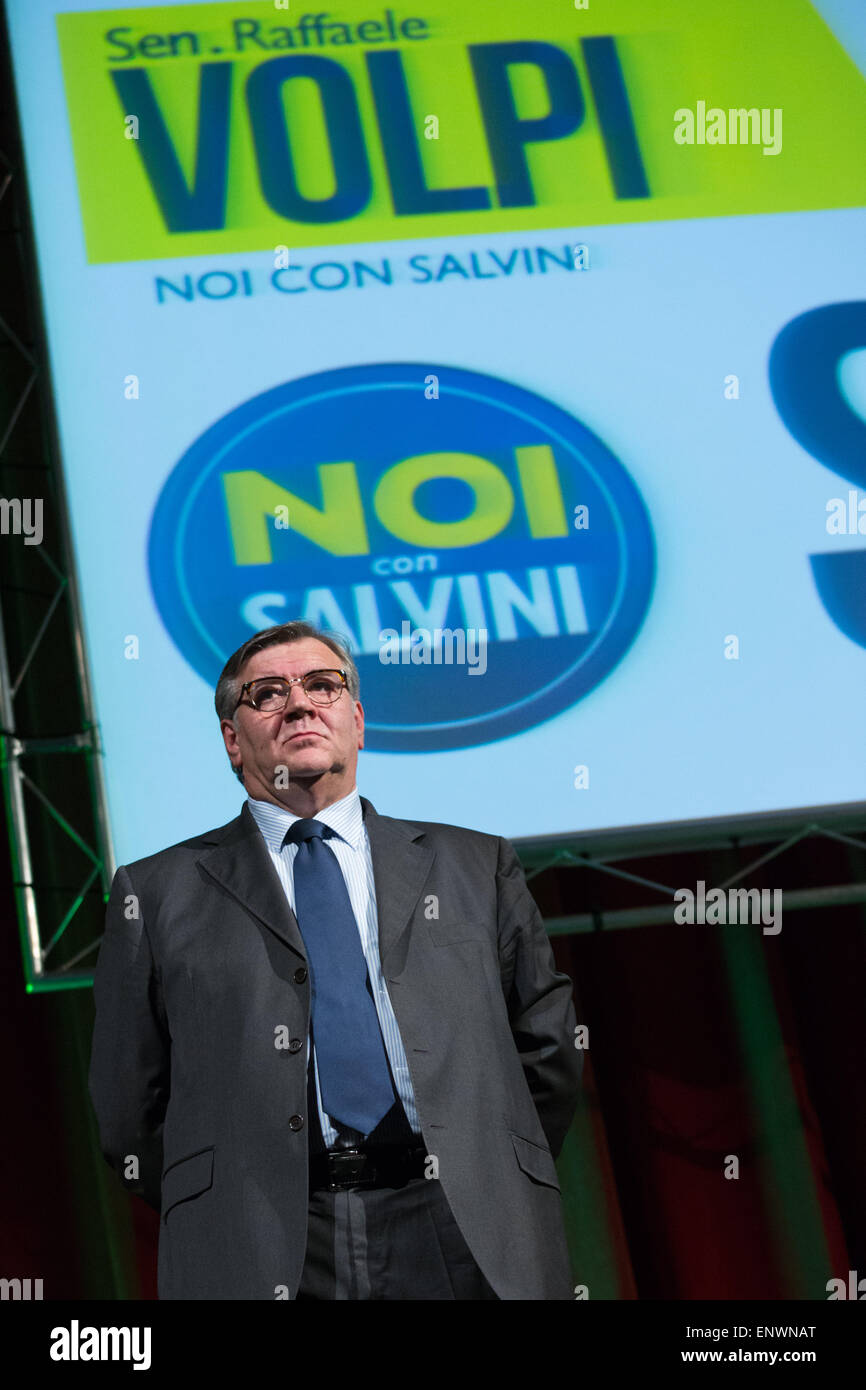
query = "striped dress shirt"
{"x": 351, "y": 845}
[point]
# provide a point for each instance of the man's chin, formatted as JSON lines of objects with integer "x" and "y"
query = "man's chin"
{"x": 306, "y": 760}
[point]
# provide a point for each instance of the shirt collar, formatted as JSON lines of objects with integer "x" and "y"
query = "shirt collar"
{"x": 345, "y": 817}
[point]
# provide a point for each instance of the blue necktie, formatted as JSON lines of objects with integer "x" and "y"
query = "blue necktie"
{"x": 354, "y": 1077}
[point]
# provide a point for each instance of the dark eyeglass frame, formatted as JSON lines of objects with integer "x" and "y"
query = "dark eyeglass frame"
{"x": 294, "y": 680}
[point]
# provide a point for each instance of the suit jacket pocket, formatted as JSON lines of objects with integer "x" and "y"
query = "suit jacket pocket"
{"x": 448, "y": 933}
{"x": 535, "y": 1160}
{"x": 187, "y": 1178}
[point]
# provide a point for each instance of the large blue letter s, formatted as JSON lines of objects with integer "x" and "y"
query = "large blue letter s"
{"x": 804, "y": 382}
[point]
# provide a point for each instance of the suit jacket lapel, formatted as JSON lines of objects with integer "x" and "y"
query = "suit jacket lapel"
{"x": 400, "y": 868}
{"x": 241, "y": 862}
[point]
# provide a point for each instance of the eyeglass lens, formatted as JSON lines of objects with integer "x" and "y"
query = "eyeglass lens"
{"x": 269, "y": 694}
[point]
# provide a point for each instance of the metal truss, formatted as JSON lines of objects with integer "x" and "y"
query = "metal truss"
{"x": 537, "y": 859}
{"x": 50, "y": 778}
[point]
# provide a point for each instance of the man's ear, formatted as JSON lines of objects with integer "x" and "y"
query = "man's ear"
{"x": 229, "y": 733}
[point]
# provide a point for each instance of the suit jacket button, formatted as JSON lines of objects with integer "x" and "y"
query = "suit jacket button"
{"x": 300, "y": 975}
{"x": 296, "y": 1122}
{"x": 295, "y": 1045}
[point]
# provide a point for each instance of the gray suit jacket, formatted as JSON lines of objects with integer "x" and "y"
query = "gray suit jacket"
{"x": 202, "y": 971}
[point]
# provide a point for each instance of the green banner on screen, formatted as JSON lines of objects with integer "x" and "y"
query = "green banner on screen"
{"x": 238, "y": 127}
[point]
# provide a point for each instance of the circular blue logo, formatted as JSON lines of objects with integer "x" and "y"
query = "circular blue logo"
{"x": 485, "y": 557}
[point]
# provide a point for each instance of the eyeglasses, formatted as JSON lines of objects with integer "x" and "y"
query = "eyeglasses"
{"x": 271, "y": 693}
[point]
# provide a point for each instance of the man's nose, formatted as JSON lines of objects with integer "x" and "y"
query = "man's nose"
{"x": 298, "y": 701}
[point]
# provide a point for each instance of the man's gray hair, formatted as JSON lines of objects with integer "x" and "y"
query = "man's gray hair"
{"x": 228, "y": 687}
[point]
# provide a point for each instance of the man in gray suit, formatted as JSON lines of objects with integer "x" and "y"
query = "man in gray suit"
{"x": 331, "y": 1047}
